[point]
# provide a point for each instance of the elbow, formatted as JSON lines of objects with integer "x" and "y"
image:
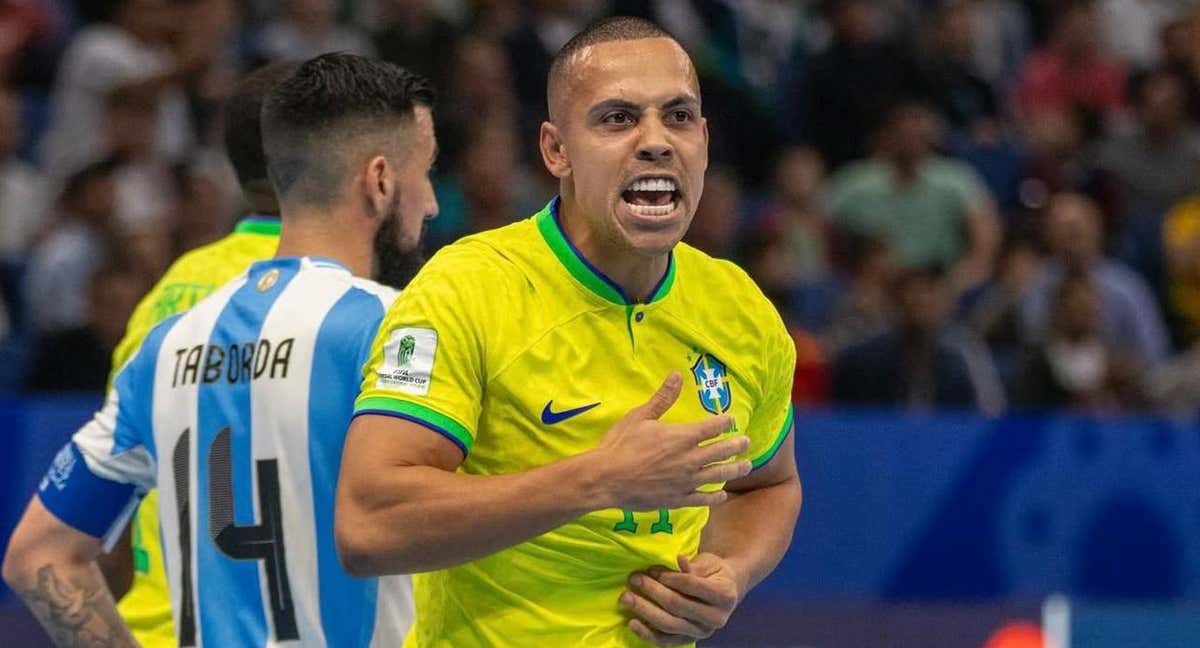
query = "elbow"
{"x": 17, "y": 561}
{"x": 354, "y": 549}
{"x": 365, "y": 550}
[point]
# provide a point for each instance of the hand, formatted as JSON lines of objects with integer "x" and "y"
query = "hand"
{"x": 678, "y": 607}
{"x": 647, "y": 464}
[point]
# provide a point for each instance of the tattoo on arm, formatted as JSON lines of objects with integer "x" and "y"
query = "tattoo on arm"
{"x": 79, "y": 612}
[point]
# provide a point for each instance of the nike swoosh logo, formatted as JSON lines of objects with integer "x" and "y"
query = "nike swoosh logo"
{"x": 550, "y": 417}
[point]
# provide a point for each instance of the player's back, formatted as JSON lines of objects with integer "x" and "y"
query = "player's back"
{"x": 253, "y": 390}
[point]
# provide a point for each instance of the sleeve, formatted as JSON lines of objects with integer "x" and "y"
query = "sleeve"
{"x": 771, "y": 419}
{"x": 99, "y": 476}
{"x": 426, "y": 364}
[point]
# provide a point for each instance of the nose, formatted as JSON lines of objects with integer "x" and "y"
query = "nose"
{"x": 654, "y": 145}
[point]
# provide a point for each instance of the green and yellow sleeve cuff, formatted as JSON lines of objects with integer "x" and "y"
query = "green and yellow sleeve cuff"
{"x": 444, "y": 425}
{"x": 762, "y": 459}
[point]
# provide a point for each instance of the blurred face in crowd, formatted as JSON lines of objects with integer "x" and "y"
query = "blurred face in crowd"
{"x": 1179, "y": 42}
{"x": 858, "y": 22}
{"x": 1162, "y": 104}
{"x": 130, "y": 123}
{"x": 911, "y": 134}
{"x": 312, "y": 12}
{"x": 922, "y": 300}
{"x": 402, "y": 227}
{"x": 1076, "y": 32}
{"x": 148, "y": 20}
{"x": 95, "y": 200}
{"x": 10, "y": 124}
{"x": 956, "y": 33}
{"x": 481, "y": 74}
{"x": 629, "y": 144}
{"x": 113, "y": 296}
{"x": 488, "y": 169}
{"x": 1073, "y": 231}
{"x": 715, "y": 223}
{"x": 799, "y": 176}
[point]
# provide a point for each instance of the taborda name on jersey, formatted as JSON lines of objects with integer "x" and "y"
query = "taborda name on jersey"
{"x": 408, "y": 360}
{"x": 234, "y": 363}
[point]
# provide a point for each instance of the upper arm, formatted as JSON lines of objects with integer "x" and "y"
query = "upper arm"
{"x": 770, "y": 421}
{"x": 779, "y": 469}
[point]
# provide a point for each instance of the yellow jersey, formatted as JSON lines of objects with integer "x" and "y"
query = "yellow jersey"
{"x": 147, "y": 605}
{"x": 514, "y": 347}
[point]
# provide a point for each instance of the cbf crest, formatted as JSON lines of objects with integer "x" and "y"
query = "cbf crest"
{"x": 712, "y": 384}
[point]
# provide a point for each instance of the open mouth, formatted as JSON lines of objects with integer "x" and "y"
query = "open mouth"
{"x": 652, "y": 196}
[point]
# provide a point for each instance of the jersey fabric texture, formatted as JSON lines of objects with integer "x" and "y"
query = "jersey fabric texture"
{"x": 237, "y": 412}
{"x": 517, "y": 350}
{"x": 146, "y": 607}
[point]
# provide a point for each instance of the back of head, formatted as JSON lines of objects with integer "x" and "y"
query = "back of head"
{"x": 242, "y": 116}
{"x": 334, "y": 111}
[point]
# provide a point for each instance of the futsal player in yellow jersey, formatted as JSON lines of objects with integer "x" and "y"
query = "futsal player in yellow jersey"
{"x": 503, "y": 441}
{"x": 146, "y": 607}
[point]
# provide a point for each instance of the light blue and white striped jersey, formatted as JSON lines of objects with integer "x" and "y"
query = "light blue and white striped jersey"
{"x": 237, "y": 412}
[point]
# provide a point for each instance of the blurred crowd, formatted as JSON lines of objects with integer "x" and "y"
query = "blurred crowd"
{"x": 971, "y": 204}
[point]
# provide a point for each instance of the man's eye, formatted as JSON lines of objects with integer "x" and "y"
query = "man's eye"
{"x": 619, "y": 118}
{"x": 682, "y": 116}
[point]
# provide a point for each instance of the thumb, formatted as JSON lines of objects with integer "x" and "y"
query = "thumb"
{"x": 662, "y": 400}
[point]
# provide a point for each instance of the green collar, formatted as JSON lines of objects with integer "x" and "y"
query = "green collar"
{"x": 584, "y": 272}
{"x": 256, "y": 224}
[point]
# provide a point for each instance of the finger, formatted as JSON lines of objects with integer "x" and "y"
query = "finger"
{"x": 658, "y": 619}
{"x": 662, "y": 400}
{"x": 700, "y": 588}
{"x": 703, "y": 616}
{"x": 723, "y": 472}
{"x": 709, "y": 427}
{"x": 723, "y": 449}
{"x": 703, "y": 498}
{"x": 657, "y": 638}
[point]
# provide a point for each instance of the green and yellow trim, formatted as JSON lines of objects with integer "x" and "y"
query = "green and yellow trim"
{"x": 767, "y": 456}
{"x": 583, "y": 271}
{"x": 420, "y": 414}
{"x": 264, "y": 225}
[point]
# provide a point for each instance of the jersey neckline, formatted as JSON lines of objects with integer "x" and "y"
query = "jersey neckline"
{"x": 583, "y": 271}
{"x": 258, "y": 224}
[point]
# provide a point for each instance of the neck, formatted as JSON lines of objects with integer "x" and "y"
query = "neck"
{"x": 636, "y": 273}
{"x": 324, "y": 233}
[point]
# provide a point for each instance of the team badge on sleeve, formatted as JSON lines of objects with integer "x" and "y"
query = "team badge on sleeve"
{"x": 408, "y": 361}
{"x": 712, "y": 384}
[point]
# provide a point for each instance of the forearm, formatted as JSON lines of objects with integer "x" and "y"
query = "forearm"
{"x": 72, "y": 602}
{"x": 420, "y": 518}
{"x": 752, "y": 530}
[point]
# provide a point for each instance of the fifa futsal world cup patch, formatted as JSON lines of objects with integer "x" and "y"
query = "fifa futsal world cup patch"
{"x": 408, "y": 361}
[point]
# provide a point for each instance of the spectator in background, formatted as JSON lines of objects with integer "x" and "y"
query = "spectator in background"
{"x": 795, "y": 213}
{"x": 308, "y": 28}
{"x": 848, "y": 86}
{"x": 865, "y": 307}
{"x": 1179, "y": 56}
{"x": 1075, "y": 366}
{"x": 994, "y": 314}
{"x": 1058, "y": 162}
{"x": 1181, "y": 249}
{"x": 61, "y": 266}
{"x": 1157, "y": 163}
{"x": 1002, "y": 38}
{"x": 146, "y": 196}
{"x": 718, "y": 217}
{"x": 932, "y": 210}
{"x": 412, "y": 34}
{"x": 547, "y": 26}
{"x": 128, "y": 52}
{"x": 922, "y": 362}
{"x": 1129, "y": 314}
{"x": 481, "y": 90}
{"x": 78, "y": 358}
{"x": 963, "y": 98}
{"x": 22, "y": 188}
{"x": 1071, "y": 72}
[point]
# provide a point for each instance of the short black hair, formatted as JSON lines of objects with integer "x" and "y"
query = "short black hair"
{"x": 616, "y": 28}
{"x": 329, "y": 103}
{"x": 242, "y": 117}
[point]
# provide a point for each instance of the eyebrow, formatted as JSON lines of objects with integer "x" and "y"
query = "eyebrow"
{"x": 624, "y": 104}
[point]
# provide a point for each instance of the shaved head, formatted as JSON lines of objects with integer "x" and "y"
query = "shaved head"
{"x": 618, "y": 28}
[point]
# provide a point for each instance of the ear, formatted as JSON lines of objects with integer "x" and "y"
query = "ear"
{"x": 704, "y": 129}
{"x": 379, "y": 185}
{"x": 554, "y": 151}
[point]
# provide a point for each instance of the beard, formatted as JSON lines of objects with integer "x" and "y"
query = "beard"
{"x": 394, "y": 266}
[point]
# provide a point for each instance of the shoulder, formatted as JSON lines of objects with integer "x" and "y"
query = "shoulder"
{"x": 716, "y": 290}
{"x": 478, "y": 265}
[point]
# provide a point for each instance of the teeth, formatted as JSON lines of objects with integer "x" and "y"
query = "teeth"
{"x": 651, "y": 210}
{"x": 653, "y": 184}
